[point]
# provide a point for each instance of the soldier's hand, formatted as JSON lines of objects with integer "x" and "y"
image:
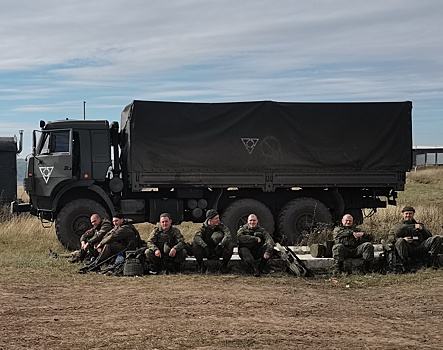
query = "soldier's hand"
{"x": 418, "y": 226}
{"x": 172, "y": 252}
{"x": 408, "y": 239}
{"x": 358, "y": 234}
{"x": 258, "y": 239}
{"x": 158, "y": 253}
{"x": 266, "y": 256}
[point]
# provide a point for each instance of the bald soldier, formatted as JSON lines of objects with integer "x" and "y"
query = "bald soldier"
{"x": 92, "y": 236}
{"x": 351, "y": 242}
{"x": 254, "y": 242}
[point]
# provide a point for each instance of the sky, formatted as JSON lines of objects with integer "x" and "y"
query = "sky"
{"x": 55, "y": 54}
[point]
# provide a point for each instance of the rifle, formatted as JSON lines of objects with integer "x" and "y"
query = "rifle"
{"x": 293, "y": 262}
{"x": 93, "y": 266}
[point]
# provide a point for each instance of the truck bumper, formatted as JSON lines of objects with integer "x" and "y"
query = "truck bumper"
{"x": 20, "y": 207}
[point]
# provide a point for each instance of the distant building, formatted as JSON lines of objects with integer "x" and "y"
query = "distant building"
{"x": 427, "y": 156}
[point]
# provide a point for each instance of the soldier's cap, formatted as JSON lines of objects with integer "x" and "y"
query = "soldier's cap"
{"x": 211, "y": 213}
{"x": 408, "y": 208}
{"x": 118, "y": 215}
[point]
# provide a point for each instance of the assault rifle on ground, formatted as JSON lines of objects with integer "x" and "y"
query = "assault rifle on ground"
{"x": 293, "y": 262}
{"x": 95, "y": 267}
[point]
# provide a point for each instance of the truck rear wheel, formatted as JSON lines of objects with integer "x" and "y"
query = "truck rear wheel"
{"x": 236, "y": 215}
{"x": 299, "y": 218}
{"x": 74, "y": 219}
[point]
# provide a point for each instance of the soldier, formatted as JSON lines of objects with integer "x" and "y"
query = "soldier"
{"x": 412, "y": 240}
{"x": 123, "y": 236}
{"x": 213, "y": 241}
{"x": 91, "y": 237}
{"x": 254, "y": 242}
{"x": 166, "y": 249}
{"x": 351, "y": 242}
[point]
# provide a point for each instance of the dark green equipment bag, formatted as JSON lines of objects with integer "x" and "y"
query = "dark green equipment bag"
{"x": 133, "y": 266}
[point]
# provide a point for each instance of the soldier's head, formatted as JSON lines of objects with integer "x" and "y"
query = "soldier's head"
{"x": 347, "y": 220}
{"x": 408, "y": 213}
{"x": 118, "y": 219}
{"x": 212, "y": 217}
{"x": 95, "y": 220}
{"x": 165, "y": 221}
{"x": 252, "y": 221}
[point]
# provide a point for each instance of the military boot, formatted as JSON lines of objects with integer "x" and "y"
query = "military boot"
{"x": 367, "y": 267}
{"x": 201, "y": 268}
{"x": 263, "y": 266}
{"x": 338, "y": 268}
{"x": 224, "y": 267}
{"x": 433, "y": 262}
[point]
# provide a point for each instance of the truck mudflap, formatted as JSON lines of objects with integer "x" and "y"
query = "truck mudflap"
{"x": 20, "y": 207}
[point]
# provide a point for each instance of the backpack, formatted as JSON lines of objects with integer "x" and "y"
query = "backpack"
{"x": 134, "y": 263}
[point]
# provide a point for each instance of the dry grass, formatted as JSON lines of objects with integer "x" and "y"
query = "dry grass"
{"x": 424, "y": 190}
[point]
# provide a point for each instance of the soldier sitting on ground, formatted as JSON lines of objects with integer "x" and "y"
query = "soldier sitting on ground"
{"x": 213, "y": 241}
{"x": 412, "y": 240}
{"x": 254, "y": 242}
{"x": 124, "y": 236}
{"x": 91, "y": 237}
{"x": 166, "y": 249}
{"x": 351, "y": 242}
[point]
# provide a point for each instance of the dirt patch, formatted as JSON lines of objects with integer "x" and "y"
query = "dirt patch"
{"x": 218, "y": 312}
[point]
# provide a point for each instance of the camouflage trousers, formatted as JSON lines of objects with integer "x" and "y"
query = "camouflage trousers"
{"x": 406, "y": 250}
{"x": 364, "y": 250}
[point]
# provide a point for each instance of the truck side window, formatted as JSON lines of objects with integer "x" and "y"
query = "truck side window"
{"x": 55, "y": 142}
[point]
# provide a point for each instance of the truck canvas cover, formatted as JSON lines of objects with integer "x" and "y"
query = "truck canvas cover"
{"x": 266, "y": 136}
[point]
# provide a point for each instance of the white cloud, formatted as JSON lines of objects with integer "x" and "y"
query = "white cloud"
{"x": 54, "y": 54}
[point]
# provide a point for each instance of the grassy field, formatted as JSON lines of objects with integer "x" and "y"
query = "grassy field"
{"x": 24, "y": 242}
{"x": 424, "y": 191}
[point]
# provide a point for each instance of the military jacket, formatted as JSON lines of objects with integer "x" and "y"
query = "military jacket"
{"x": 172, "y": 238}
{"x": 248, "y": 236}
{"x": 203, "y": 235}
{"x": 345, "y": 235}
{"x": 406, "y": 228}
{"x": 125, "y": 235}
{"x": 96, "y": 234}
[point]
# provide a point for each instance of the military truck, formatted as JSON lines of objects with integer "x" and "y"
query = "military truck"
{"x": 9, "y": 148}
{"x": 295, "y": 165}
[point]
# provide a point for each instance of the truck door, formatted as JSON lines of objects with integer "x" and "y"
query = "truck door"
{"x": 53, "y": 160}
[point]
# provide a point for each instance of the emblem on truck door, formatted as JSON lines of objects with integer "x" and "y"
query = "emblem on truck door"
{"x": 249, "y": 143}
{"x": 46, "y": 172}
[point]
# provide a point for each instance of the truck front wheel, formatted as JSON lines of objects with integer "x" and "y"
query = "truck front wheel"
{"x": 300, "y": 217}
{"x": 74, "y": 219}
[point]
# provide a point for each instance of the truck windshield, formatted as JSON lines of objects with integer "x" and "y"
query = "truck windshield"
{"x": 54, "y": 142}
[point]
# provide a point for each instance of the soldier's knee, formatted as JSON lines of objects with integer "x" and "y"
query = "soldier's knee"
{"x": 369, "y": 247}
{"x": 400, "y": 243}
{"x": 217, "y": 237}
{"x": 337, "y": 249}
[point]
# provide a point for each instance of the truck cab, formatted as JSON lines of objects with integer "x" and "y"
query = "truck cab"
{"x": 70, "y": 159}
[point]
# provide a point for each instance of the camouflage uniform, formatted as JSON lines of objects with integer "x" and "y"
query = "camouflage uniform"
{"x": 250, "y": 249}
{"x": 347, "y": 246}
{"x": 165, "y": 241}
{"x": 213, "y": 242}
{"x": 118, "y": 239}
{"x": 423, "y": 244}
{"x": 92, "y": 237}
